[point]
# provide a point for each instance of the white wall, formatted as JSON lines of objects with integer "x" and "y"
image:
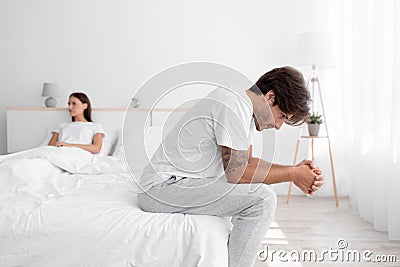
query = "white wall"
{"x": 109, "y": 48}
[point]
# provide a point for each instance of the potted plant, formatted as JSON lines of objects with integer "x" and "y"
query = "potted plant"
{"x": 313, "y": 123}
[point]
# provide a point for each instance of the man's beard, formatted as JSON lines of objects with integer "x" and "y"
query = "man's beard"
{"x": 256, "y": 123}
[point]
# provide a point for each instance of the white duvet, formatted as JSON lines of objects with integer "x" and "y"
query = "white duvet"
{"x": 67, "y": 207}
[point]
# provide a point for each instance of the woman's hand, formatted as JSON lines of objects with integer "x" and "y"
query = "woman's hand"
{"x": 62, "y": 144}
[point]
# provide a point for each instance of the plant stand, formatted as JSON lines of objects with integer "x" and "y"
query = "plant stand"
{"x": 312, "y": 155}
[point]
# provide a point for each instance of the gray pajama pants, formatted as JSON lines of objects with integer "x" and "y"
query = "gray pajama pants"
{"x": 252, "y": 207}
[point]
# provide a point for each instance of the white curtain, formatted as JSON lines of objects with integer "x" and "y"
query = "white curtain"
{"x": 369, "y": 56}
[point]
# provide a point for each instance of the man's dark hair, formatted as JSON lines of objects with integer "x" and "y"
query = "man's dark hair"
{"x": 291, "y": 93}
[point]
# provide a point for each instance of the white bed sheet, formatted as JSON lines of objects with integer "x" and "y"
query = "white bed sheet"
{"x": 66, "y": 207}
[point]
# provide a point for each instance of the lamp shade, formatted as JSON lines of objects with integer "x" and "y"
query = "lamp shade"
{"x": 50, "y": 89}
{"x": 315, "y": 49}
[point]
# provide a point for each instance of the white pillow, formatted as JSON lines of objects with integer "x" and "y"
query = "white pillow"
{"x": 119, "y": 150}
{"x": 46, "y": 139}
{"x": 109, "y": 143}
{"x": 136, "y": 157}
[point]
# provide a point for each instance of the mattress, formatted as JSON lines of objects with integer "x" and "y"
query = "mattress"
{"x": 62, "y": 206}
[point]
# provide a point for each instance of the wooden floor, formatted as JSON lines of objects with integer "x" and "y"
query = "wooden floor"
{"x": 316, "y": 224}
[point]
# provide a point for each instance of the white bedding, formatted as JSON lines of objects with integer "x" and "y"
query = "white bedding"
{"x": 66, "y": 207}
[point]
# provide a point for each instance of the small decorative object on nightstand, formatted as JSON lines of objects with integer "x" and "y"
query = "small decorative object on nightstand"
{"x": 135, "y": 102}
{"x": 50, "y": 90}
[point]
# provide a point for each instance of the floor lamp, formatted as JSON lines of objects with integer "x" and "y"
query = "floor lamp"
{"x": 314, "y": 50}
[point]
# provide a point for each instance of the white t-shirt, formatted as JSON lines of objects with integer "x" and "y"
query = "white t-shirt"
{"x": 192, "y": 148}
{"x": 78, "y": 132}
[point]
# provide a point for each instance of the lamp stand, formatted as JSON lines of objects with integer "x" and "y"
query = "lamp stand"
{"x": 314, "y": 80}
{"x": 51, "y": 102}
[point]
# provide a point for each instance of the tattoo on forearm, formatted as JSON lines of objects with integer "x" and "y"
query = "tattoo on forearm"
{"x": 233, "y": 159}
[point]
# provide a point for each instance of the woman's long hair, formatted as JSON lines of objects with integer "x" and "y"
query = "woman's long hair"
{"x": 85, "y": 100}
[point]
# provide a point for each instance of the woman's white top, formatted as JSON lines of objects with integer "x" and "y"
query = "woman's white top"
{"x": 78, "y": 132}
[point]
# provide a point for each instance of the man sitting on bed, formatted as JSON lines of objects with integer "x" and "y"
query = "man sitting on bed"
{"x": 205, "y": 164}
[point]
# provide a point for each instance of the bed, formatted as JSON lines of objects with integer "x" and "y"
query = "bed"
{"x": 66, "y": 207}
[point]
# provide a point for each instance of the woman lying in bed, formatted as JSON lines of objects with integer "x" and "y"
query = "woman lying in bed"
{"x": 81, "y": 132}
